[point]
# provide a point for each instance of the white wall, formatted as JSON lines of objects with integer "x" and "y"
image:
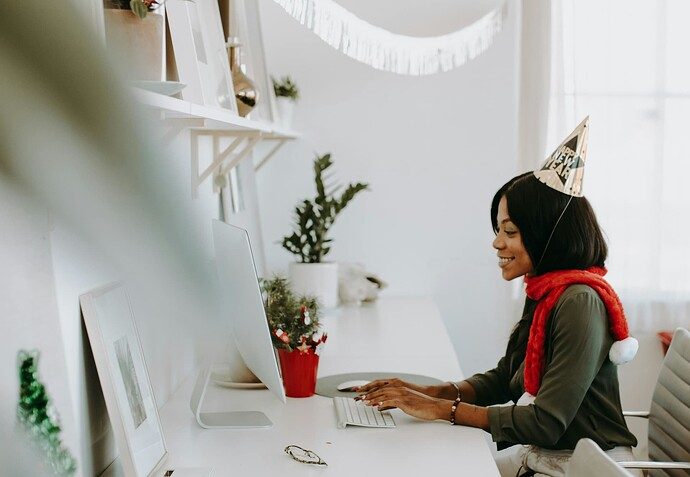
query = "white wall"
{"x": 175, "y": 337}
{"x": 434, "y": 150}
{"x": 169, "y": 333}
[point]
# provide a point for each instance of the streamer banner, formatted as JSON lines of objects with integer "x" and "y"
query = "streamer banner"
{"x": 387, "y": 51}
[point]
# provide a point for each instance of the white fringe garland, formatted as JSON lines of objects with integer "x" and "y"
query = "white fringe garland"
{"x": 383, "y": 50}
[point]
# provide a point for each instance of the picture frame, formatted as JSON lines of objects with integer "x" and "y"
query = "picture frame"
{"x": 124, "y": 379}
{"x": 246, "y": 24}
{"x": 199, "y": 48}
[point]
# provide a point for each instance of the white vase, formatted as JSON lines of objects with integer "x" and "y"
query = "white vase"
{"x": 318, "y": 279}
{"x": 286, "y": 109}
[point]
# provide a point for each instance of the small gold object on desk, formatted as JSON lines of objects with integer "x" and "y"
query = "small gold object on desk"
{"x": 246, "y": 93}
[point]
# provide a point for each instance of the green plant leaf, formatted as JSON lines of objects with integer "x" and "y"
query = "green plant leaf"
{"x": 312, "y": 219}
{"x": 139, "y": 8}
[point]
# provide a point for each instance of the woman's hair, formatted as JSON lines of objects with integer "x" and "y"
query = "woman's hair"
{"x": 577, "y": 241}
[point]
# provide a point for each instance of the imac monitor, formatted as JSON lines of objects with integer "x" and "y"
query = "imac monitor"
{"x": 241, "y": 300}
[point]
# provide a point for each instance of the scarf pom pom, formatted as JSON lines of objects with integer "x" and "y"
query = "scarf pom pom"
{"x": 525, "y": 400}
{"x": 623, "y": 351}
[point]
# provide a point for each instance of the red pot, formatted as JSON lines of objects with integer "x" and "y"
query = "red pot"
{"x": 299, "y": 372}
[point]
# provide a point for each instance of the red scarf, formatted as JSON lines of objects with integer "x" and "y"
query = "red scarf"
{"x": 547, "y": 289}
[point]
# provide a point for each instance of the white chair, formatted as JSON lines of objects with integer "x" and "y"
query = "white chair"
{"x": 589, "y": 460}
{"x": 669, "y": 415}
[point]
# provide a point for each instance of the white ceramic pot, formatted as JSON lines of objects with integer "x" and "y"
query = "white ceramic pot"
{"x": 318, "y": 279}
{"x": 286, "y": 109}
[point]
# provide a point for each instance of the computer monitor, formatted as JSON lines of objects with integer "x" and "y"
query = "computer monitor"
{"x": 242, "y": 303}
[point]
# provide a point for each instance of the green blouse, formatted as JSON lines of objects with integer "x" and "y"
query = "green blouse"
{"x": 578, "y": 396}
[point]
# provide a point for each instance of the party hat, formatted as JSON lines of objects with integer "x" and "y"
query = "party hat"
{"x": 564, "y": 169}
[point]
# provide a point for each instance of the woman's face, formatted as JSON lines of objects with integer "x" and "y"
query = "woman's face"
{"x": 512, "y": 255}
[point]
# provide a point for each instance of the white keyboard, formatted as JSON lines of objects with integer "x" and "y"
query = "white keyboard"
{"x": 354, "y": 413}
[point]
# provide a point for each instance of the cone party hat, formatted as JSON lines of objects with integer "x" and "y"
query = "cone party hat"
{"x": 564, "y": 169}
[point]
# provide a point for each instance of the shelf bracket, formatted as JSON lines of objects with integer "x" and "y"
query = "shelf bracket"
{"x": 271, "y": 153}
{"x": 223, "y": 159}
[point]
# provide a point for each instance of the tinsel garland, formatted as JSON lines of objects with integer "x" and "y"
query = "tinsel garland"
{"x": 384, "y": 50}
{"x": 39, "y": 417}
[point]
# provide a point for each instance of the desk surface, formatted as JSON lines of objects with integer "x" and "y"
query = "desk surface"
{"x": 401, "y": 334}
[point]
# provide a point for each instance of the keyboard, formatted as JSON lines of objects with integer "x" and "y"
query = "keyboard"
{"x": 354, "y": 413}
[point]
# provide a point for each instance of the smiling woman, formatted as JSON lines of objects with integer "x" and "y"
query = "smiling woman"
{"x": 513, "y": 257}
{"x": 559, "y": 369}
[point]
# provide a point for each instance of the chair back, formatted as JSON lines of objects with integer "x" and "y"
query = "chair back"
{"x": 589, "y": 460}
{"x": 669, "y": 414}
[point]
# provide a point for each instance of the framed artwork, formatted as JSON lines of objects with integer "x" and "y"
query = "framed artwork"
{"x": 200, "y": 54}
{"x": 124, "y": 379}
{"x": 246, "y": 24}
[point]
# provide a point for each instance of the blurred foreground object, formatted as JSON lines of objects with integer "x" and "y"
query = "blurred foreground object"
{"x": 77, "y": 156}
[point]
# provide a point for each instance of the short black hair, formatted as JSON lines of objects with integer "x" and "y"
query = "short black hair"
{"x": 577, "y": 242}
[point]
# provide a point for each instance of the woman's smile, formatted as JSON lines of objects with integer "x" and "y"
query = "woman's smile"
{"x": 512, "y": 255}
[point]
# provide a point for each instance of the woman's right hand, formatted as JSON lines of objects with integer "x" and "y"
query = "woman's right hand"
{"x": 395, "y": 383}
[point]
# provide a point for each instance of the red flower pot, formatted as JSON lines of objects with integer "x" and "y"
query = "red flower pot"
{"x": 299, "y": 372}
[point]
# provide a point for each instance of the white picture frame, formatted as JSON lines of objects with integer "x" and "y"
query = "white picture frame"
{"x": 200, "y": 54}
{"x": 246, "y": 23}
{"x": 124, "y": 379}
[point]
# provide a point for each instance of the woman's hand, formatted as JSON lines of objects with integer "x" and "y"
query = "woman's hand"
{"x": 390, "y": 383}
{"x": 408, "y": 400}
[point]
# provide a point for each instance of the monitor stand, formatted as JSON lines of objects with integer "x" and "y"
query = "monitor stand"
{"x": 222, "y": 420}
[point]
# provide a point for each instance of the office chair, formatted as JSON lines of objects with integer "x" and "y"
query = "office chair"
{"x": 669, "y": 415}
{"x": 589, "y": 460}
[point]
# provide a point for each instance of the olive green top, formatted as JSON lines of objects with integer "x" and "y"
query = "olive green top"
{"x": 578, "y": 396}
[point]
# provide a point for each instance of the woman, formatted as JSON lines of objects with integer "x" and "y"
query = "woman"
{"x": 559, "y": 363}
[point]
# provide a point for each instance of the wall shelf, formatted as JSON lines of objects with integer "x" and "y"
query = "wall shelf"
{"x": 178, "y": 115}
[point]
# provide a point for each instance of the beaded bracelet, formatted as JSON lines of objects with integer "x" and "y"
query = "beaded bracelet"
{"x": 454, "y": 408}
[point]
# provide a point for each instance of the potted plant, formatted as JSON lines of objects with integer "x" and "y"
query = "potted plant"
{"x": 287, "y": 95}
{"x": 139, "y": 37}
{"x": 310, "y": 242}
{"x": 295, "y": 330}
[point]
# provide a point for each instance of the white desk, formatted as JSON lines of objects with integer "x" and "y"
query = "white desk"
{"x": 402, "y": 334}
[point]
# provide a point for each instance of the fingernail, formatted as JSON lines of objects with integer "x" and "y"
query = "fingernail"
{"x": 366, "y": 402}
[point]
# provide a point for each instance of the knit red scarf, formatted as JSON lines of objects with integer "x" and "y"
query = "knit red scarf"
{"x": 547, "y": 289}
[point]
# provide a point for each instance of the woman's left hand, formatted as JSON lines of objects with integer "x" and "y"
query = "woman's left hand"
{"x": 409, "y": 401}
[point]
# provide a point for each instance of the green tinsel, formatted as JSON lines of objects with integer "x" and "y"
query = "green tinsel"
{"x": 39, "y": 417}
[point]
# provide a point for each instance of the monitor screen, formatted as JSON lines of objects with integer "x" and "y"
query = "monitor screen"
{"x": 241, "y": 300}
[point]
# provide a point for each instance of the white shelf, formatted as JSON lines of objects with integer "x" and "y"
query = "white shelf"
{"x": 214, "y": 118}
{"x": 203, "y": 120}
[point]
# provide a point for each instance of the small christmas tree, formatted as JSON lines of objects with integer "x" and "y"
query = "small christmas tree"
{"x": 39, "y": 417}
{"x": 293, "y": 320}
